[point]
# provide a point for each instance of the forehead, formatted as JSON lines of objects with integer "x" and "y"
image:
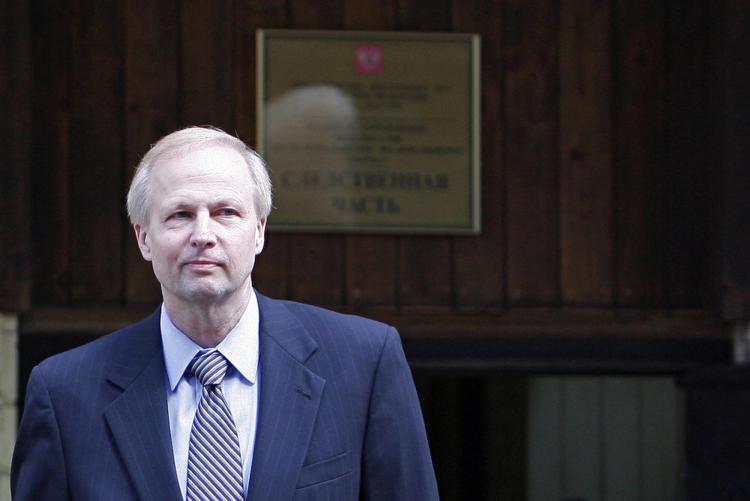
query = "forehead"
{"x": 212, "y": 168}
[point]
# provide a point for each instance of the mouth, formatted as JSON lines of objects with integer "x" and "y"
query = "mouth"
{"x": 201, "y": 264}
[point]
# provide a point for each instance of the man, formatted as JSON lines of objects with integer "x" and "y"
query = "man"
{"x": 221, "y": 393}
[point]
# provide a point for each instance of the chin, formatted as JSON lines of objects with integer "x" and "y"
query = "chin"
{"x": 204, "y": 295}
{"x": 209, "y": 297}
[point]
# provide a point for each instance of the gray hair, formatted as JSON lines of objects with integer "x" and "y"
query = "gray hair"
{"x": 182, "y": 141}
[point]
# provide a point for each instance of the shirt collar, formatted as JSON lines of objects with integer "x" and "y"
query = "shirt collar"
{"x": 240, "y": 346}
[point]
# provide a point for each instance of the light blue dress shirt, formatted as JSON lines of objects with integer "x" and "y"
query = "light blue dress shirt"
{"x": 240, "y": 386}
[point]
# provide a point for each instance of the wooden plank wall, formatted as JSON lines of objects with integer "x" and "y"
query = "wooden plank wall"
{"x": 596, "y": 186}
{"x": 15, "y": 152}
{"x": 733, "y": 129}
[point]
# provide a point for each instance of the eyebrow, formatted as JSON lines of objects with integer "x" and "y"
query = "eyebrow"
{"x": 179, "y": 203}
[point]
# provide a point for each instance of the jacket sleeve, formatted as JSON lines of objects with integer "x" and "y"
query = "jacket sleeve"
{"x": 38, "y": 465}
{"x": 396, "y": 464}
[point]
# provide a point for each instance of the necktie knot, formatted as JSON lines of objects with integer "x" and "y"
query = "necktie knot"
{"x": 209, "y": 367}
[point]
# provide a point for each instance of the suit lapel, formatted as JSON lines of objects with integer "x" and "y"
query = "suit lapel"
{"x": 289, "y": 398}
{"x": 139, "y": 419}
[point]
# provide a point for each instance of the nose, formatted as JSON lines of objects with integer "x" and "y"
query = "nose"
{"x": 202, "y": 236}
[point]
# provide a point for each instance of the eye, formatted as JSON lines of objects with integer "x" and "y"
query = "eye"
{"x": 180, "y": 214}
{"x": 227, "y": 211}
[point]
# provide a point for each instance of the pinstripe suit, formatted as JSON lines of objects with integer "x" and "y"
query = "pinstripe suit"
{"x": 339, "y": 417}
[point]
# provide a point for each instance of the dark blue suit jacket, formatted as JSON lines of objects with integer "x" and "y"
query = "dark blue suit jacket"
{"x": 339, "y": 417}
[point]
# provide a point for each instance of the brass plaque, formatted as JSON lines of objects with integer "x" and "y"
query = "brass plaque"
{"x": 370, "y": 132}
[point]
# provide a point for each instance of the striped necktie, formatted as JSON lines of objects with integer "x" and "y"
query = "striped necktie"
{"x": 214, "y": 461}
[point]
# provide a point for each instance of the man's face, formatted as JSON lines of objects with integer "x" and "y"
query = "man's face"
{"x": 203, "y": 232}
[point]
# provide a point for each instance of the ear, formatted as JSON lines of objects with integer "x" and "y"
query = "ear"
{"x": 143, "y": 238}
{"x": 260, "y": 235}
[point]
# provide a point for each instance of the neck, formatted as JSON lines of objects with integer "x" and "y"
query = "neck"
{"x": 206, "y": 324}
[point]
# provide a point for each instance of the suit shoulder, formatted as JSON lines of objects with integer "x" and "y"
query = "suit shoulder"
{"x": 352, "y": 343}
{"x": 98, "y": 352}
{"x": 340, "y": 331}
{"x": 308, "y": 313}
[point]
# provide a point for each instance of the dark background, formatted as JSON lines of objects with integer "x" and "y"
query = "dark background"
{"x": 614, "y": 178}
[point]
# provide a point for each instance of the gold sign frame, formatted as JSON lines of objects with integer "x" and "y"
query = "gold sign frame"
{"x": 371, "y": 132}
